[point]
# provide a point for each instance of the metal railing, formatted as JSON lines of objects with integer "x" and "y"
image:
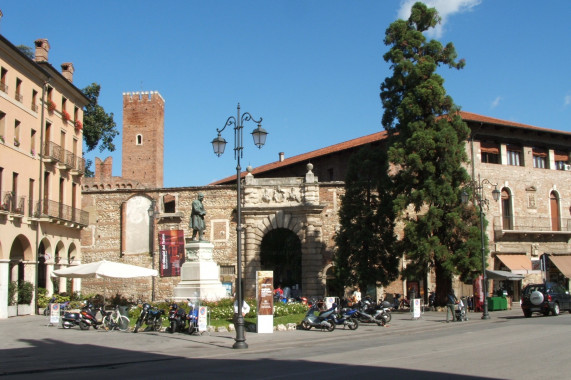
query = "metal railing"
{"x": 18, "y": 97}
{"x": 53, "y": 151}
{"x": 62, "y": 212}
{"x": 530, "y": 224}
{"x": 3, "y": 87}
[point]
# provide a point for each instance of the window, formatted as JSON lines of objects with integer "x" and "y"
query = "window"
{"x": 561, "y": 160}
{"x": 554, "y": 206}
{"x": 169, "y": 204}
{"x": 2, "y": 126}
{"x": 33, "y": 142}
{"x": 227, "y": 270}
{"x": 3, "y": 74}
{"x": 34, "y": 104}
{"x": 539, "y": 158}
{"x": 490, "y": 152}
{"x": 16, "y": 133}
{"x": 507, "y": 218}
{"x": 18, "y": 94}
{"x": 514, "y": 155}
{"x": 139, "y": 140}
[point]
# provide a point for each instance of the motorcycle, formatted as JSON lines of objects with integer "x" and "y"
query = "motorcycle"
{"x": 177, "y": 319}
{"x": 85, "y": 319}
{"x": 321, "y": 320}
{"x": 192, "y": 318}
{"x": 366, "y": 313}
{"x": 383, "y": 312}
{"x": 151, "y": 316}
{"x": 346, "y": 317}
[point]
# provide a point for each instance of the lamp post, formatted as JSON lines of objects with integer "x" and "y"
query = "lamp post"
{"x": 152, "y": 214}
{"x": 478, "y": 187}
{"x": 219, "y": 144}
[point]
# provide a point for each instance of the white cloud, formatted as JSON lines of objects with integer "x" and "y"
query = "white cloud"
{"x": 445, "y": 8}
{"x": 567, "y": 100}
{"x": 496, "y": 102}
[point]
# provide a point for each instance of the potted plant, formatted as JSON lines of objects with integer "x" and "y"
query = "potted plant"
{"x": 32, "y": 152}
{"x": 78, "y": 125}
{"x": 1, "y": 139}
{"x": 51, "y": 105}
{"x": 12, "y": 291}
{"x": 16, "y": 141}
{"x": 25, "y": 296}
{"x": 65, "y": 115}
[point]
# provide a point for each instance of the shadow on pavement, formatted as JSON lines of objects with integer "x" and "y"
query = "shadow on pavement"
{"x": 51, "y": 358}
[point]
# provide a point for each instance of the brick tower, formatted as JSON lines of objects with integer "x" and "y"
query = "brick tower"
{"x": 143, "y": 137}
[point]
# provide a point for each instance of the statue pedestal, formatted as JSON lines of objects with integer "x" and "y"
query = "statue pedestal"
{"x": 199, "y": 275}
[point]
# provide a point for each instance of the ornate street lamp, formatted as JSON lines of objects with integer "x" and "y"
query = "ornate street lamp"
{"x": 219, "y": 144}
{"x": 479, "y": 197}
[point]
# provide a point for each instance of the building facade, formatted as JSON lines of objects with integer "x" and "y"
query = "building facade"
{"x": 290, "y": 214}
{"x": 41, "y": 168}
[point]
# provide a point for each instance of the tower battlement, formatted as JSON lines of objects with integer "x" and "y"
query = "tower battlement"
{"x": 142, "y": 96}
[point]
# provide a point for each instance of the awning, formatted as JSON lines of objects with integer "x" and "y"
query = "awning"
{"x": 503, "y": 275}
{"x": 563, "y": 263}
{"x": 516, "y": 262}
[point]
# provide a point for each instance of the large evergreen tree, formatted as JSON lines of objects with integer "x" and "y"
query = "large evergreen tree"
{"x": 365, "y": 241}
{"x": 428, "y": 150}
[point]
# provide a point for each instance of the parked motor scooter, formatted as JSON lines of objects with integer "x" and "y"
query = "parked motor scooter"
{"x": 85, "y": 318}
{"x": 321, "y": 320}
{"x": 192, "y": 318}
{"x": 383, "y": 312}
{"x": 366, "y": 313}
{"x": 346, "y": 317}
{"x": 177, "y": 318}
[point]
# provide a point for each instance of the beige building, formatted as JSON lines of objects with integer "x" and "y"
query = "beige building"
{"x": 41, "y": 168}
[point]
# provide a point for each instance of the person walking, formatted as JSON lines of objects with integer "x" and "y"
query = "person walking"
{"x": 451, "y": 305}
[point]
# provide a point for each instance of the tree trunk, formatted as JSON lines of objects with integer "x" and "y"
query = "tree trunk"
{"x": 443, "y": 284}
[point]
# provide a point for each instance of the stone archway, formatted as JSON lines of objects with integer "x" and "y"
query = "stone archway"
{"x": 280, "y": 252}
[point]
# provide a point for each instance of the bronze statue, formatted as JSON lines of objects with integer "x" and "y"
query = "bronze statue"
{"x": 197, "y": 217}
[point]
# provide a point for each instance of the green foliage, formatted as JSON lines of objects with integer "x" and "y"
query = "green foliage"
{"x": 28, "y": 51}
{"x": 25, "y": 293}
{"x": 365, "y": 241}
{"x": 428, "y": 148}
{"x": 99, "y": 128}
{"x": 42, "y": 297}
{"x": 12, "y": 290}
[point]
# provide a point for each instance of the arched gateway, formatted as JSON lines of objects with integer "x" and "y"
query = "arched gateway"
{"x": 275, "y": 208}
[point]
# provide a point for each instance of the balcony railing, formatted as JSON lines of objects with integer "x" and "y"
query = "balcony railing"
{"x": 3, "y": 87}
{"x": 18, "y": 97}
{"x": 530, "y": 224}
{"x": 53, "y": 151}
{"x": 59, "y": 211}
{"x": 34, "y": 107}
{"x": 69, "y": 161}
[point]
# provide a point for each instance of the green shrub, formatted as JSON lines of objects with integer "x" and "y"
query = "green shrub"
{"x": 25, "y": 293}
{"x": 43, "y": 299}
{"x": 12, "y": 290}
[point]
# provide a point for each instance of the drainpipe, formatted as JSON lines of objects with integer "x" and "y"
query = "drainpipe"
{"x": 41, "y": 179}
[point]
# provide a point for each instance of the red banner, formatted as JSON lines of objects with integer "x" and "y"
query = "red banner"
{"x": 171, "y": 250}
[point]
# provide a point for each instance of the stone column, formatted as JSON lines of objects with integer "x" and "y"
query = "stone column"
{"x": 49, "y": 281}
{"x": 4, "y": 280}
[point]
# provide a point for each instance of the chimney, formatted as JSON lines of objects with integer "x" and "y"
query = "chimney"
{"x": 281, "y": 156}
{"x": 67, "y": 71}
{"x": 42, "y": 49}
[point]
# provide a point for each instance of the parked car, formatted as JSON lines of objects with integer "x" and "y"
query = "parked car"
{"x": 545, "y": 298}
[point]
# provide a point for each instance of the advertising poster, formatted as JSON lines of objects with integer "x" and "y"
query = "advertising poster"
{"x": 171, "y": 251}
{"x": 265, "y": 300}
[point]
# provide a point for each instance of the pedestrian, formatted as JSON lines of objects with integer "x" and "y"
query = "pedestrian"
{"x": 451, "y": 305}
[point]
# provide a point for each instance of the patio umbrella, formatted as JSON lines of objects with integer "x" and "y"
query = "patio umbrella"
{"x": 105, "y": 269}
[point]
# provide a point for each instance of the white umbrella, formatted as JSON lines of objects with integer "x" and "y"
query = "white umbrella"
{"x": 105, "y": 269}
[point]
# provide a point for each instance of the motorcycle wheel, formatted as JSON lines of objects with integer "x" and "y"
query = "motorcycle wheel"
{"x": 83, "y": 325}
{"x": 331, "y": 326}
{"x": 352, "y": 324}
{"x": 305, "y": 325}
{"x": 387, "y": 317}
{"x": 138, "y": 325}
{"x": 157, "y": 324}
{"x": 173, "y": 327}
{"x": 191, "y": 329}
{"x": 66, "y": 325}
{"x": 124, "y": 323}
{"x": 106, "y": 323}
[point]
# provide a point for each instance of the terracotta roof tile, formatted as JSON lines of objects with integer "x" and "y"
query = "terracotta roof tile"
{"x": 466, "y": 116}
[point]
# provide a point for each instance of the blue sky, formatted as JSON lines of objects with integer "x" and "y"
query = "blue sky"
{"x": 311, "y": 69}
